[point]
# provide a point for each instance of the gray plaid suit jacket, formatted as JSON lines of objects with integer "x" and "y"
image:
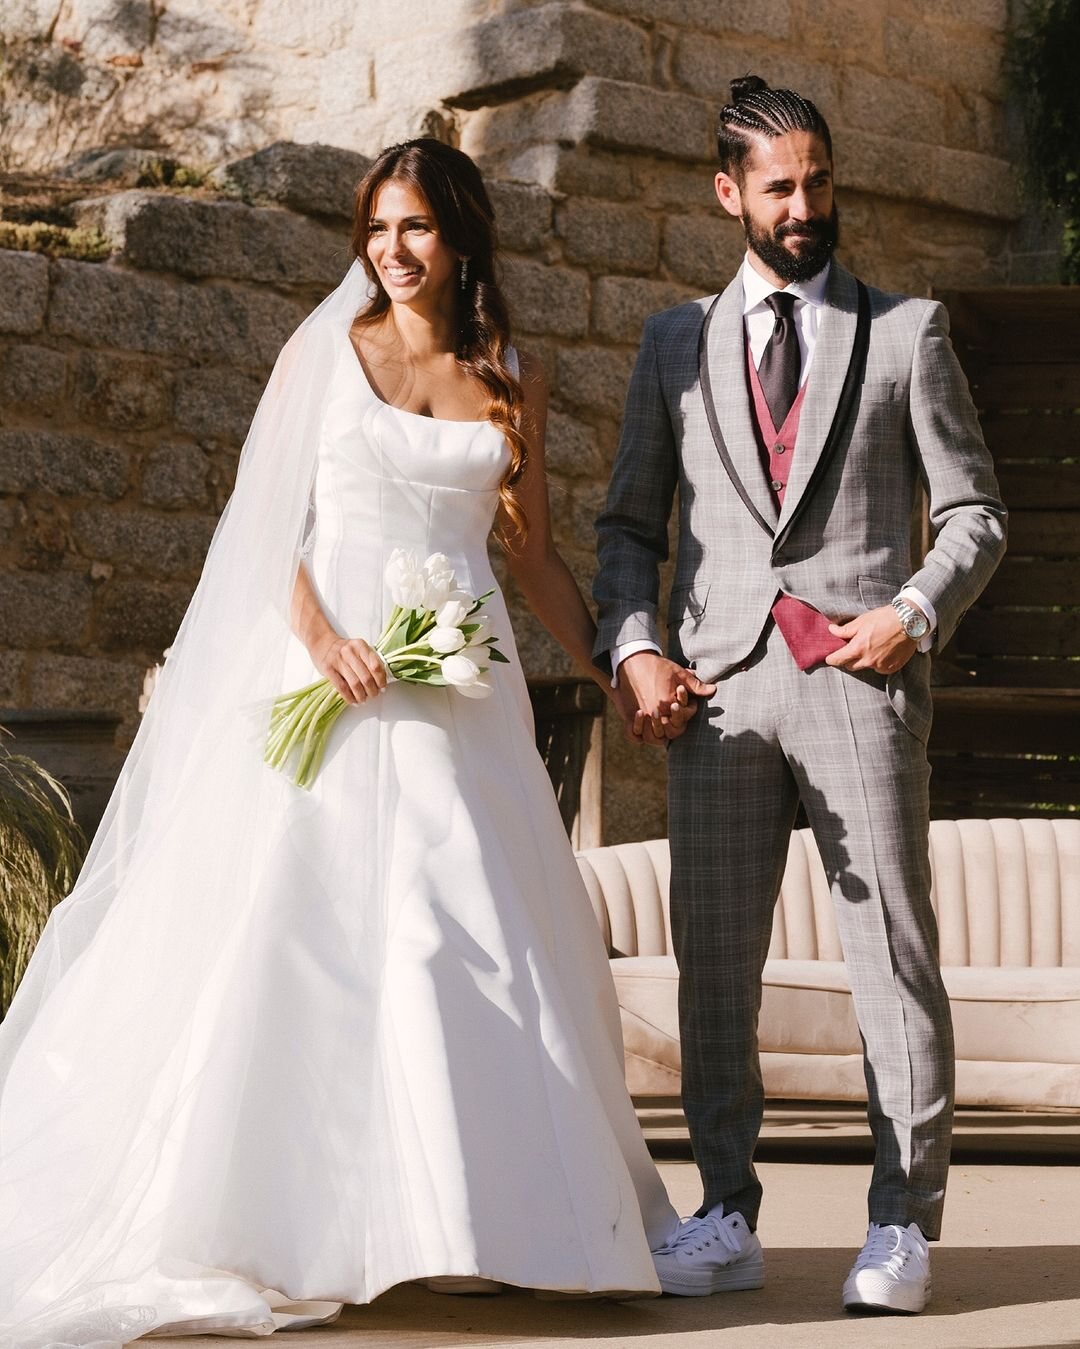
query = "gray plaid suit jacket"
{"x": 844, "y": 545}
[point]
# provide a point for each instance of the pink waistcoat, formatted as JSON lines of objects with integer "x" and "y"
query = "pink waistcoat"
{"x": 805, "y": 630}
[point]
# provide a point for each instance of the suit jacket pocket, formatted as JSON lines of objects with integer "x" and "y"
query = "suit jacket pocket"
{"x": 877, "y": 591}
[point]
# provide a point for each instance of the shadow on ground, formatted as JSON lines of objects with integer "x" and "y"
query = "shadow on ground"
{"x": 802, "y": 1289}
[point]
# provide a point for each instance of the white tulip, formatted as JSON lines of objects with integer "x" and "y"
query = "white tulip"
{"x": 452, "y": 614}
{"x": 460, "y": 671}
{"x": 405, "y": 579}
{"x": 444, "y": 641}
{"x": 439, "y": 580}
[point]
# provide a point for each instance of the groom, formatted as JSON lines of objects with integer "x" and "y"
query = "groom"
{"x": 796, "y": 413}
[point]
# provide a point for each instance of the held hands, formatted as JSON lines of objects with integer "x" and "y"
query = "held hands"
{"x": 654, "y": 697}
{"x": 875, "y": 641}
{"x": 353, "y": 667}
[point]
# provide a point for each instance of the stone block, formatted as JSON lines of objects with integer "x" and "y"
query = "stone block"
{"x": 313, "y": 179}
{"x": 34, "y": 378}
{"x": 705, "y": 66}
{"x": 100, "y": 305}
{"x": 189, "y": 32}
{"x": 546, "y": 299}
{"x": 12, "y": 664}
{"x": 885, "y": 165}
{"x": 622, "y": 304}
{"x": 992, "y": 14}
{"x": 217, "y": 405}
{"x": 523, "y": 215}
{"x": 127, "y": 392}
{"x": 44, "y": 608}
{"x": 85, "y": 684}
{"x": 682, "y": 187}
{"x": 159, "y": 232}
{"x": 703, "y": 250}
{"x": 630, "y": 117}
{"x": 129, "y": 166}
{"x": 24, "y": 284}
{"x": 900, "y": 108}
{"x": 149, "y": 543}
{"x": 845, "y": 30}
{"x": 324, "y": 26}
{"x": 576, "y": 170}
{"x": 925, "y": 52}
{"x": 595, "y": 379}
{"x": 141, "y": 615}
{"x": 53, "y": 461}
{"x": 234, "y": 326}
{"x": 571, "y": 449}
{"x": 175, "y": 476}
{"x": 762, "y": 18}
{"x": 102, "y": 28}
{"x": 543, "y": 45}
{"x": 981, "y": 184}
{"x": 107, "y": 306}
{"x": 608, "y": 235}
{"x": 586, "y": 501}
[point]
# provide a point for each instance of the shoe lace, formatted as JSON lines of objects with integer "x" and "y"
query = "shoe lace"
{"x": 708, "y": 1231}
{"x": 888, "y": 1245}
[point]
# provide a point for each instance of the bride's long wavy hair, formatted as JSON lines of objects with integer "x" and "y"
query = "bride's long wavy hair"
{"x": 451, "y": 184}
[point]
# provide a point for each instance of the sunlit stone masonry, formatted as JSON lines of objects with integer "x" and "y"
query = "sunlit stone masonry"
{"x": 175, "y": 182}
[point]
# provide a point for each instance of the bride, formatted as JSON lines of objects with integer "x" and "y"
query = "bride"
{"x": 281, "y": 1050}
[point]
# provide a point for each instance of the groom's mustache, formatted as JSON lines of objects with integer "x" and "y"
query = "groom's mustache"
{"x": 803, "y": 229}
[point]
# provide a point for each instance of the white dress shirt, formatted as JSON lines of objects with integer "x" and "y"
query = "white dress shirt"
{"x": 759, "y": 320}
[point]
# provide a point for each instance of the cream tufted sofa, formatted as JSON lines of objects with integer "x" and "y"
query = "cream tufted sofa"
{"x": 1007, "y": 896}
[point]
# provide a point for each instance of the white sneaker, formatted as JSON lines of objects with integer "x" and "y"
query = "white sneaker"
{"x": 713, "y": 1254}
{"x": 891, "y": 1272}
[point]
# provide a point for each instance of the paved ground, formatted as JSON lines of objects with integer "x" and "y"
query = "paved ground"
{"x": 1006, "y": 1273}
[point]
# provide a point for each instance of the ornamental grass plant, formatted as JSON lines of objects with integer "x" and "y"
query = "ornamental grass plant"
{"x": 41, "y": 850}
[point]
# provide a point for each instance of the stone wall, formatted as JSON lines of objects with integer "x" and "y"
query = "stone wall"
{"x": 126, "y": 383}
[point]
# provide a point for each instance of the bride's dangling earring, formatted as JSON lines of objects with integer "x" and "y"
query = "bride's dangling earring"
{"x": 464, "y": 273}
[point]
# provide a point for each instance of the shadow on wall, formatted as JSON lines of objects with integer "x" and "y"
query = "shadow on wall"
{"x": 139, "y": 76}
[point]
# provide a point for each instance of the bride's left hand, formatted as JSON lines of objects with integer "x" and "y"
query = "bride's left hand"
{"x": 354, "y": 668}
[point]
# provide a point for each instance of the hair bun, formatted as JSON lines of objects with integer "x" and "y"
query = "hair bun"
{"x": 747, "y": 85}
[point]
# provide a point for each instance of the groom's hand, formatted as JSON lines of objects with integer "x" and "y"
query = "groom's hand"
{"x": 663, "y": 696}
{"x": 875, "y": 641}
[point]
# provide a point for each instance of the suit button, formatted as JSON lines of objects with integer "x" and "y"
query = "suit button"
{"x": 777, "y": 485}
{"x": 779, "y": 449}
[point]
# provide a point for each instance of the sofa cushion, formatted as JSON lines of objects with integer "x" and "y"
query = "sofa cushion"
{"x": 1002, "y": 1015}
{"x": 648, "y": 992}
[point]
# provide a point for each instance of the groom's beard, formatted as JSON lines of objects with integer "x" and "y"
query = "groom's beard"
{"x": 821, "y": 236}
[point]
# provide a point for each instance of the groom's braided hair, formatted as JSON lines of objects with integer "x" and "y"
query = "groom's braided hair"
{"x": 757, "y": 110}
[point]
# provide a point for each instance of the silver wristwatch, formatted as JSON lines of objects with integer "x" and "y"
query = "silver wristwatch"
{"x": 914, "y": 623}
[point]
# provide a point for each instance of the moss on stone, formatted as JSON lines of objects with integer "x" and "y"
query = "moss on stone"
{"x": 55, "y": 241}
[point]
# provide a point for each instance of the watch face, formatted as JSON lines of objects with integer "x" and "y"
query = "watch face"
{"x": 916, "y": 626}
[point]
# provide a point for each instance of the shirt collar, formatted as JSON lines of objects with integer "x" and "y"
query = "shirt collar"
{"x": 756, "y": 288}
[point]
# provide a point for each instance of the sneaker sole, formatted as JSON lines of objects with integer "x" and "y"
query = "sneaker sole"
{"x": 891, "y": 1305}
{"x": 743, "y": 1277}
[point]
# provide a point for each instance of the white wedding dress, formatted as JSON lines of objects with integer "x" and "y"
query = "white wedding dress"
{"x": 400, "y": 1058}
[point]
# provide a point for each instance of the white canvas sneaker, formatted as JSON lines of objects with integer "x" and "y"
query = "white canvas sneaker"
{"x": 891, "y": 1272}
{"x": 714, "y": 1254}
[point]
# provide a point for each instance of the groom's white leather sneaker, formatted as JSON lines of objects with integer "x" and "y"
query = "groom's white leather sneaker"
{"x": 891, "y": 1273}
{"x": 714, "y": 1254}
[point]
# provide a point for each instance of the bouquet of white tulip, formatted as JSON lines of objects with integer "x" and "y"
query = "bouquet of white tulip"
{"x": 435, "y": 635}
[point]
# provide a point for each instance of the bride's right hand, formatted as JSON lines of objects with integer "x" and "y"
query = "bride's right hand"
{"x": 354, "y": 668}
